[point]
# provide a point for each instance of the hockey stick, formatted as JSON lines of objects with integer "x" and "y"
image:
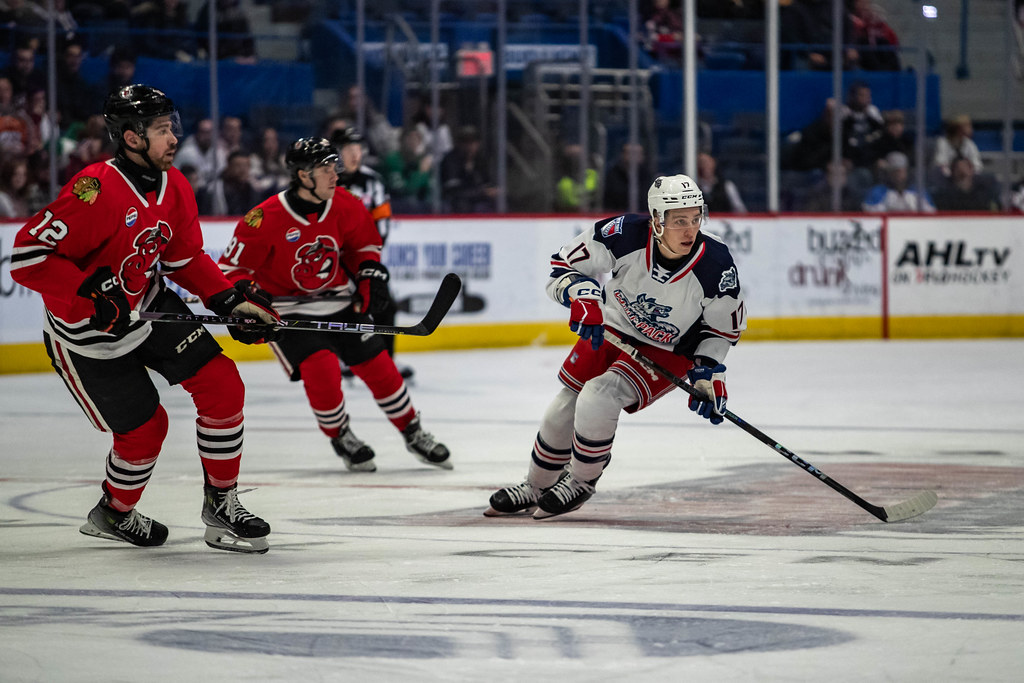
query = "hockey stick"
{"x": 449, "y": 290}
{"x": 917, "y": 505}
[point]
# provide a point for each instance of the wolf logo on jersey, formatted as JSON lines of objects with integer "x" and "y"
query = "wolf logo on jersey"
{"x": 136, "y": 270}
{"x": 644, "y": 314}
{"x": 317, "y": 263}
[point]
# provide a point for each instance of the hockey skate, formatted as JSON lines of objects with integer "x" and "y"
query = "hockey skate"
{"x": 229, "y": 526}
{"x": 512, "y": 500}
{"x": 357, "y": 455}
{"x": 425, "y": 446}
{"x": 131, "y": 527}
{"x": 566, "y": 495}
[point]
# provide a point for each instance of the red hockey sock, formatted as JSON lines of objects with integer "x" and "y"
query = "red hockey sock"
{"x": 388, "y": 389}
{"x": 321, "y": 378}
{"x": 131, "y": 460}
{"x": 218, "y": 394}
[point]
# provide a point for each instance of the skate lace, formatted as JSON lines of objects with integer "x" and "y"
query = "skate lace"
{"x": 350, "y": 442}
{"x": 423, "y": 440}
{"x": 233, "y": 508}
{"x": 567, "y": 489}
{"x": 136, "y": 523}
{"x": 522, "y": 494}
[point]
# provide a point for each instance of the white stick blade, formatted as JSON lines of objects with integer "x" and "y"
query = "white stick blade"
{"x": 918, "y": 505}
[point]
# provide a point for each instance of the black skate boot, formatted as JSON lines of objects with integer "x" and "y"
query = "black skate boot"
{"x": 425, "y": 446}
{"x": 229, "y": 526}
{"x": 566, "y": 495}
{"x": 512, "y": 500}
{"x": 132, "y": 527}
{"x": 357, "y": 455}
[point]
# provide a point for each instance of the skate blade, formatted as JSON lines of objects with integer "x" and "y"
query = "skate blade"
{"x": 90, "y": 529}
{"x": 541, "y": 513}
{"x": 445, "y": 464}
{"x": 365, "y": 466}
{"x": 222, "y": 539}
{"x": 491, "y": 512}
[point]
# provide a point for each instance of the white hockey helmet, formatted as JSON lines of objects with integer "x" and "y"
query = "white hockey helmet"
{"x": 673, "y": 192}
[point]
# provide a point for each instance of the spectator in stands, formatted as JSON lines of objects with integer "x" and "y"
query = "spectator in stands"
{"x": 23, "y": 72}
{"x": 466, "y": 184}
{"x": 720, "y": 194}
{"x": 810, "y": 148}
{"x": 571, "y": 194}
{"x": 876, "y": 43}
{"x": 663, "y": 29}
{"x": 616, "y": 182}
{"x": 807, "y": 25}
{"x": 895, "y": 195}
{"x": 335, "y": 125}
{"x": 122, "y": 68}
{"x": 40, "y": 127}
{"x": 731, "y": 9}
{"x": 232, "y": 135}
{"x": 407, "y": 171}
{"x": 232, "y": 194}
{"x": 862, "y": 126}
{"x": 819, "y": 198}
{"x": 21, "y": 18}
{"x": 164, "y": 30}
{"x": 423, "y": 120}
{"x": 268, "y": 172}
{"x": 1015, "y": 202}
{"x": 93, "y": 145}
{"x": 76, "y": 98}
{"x": 381, "y": 136}
{"x": 234, "y": 32}
{"x": 13, "y": 128}
{"x": 964, "y": 191}
{"x": 956, "y": 141}
{"x": 19, "y": 197}
{"x": 198, "y": 151}
{"x": 894, "y": 138}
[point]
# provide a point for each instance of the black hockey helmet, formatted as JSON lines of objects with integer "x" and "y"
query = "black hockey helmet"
{"x": 305, "y": 154}
{"x": 134, "y": 107}
{"x": 346, "y": 136}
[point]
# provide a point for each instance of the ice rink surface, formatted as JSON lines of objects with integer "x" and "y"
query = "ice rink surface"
{"x": 704, "y": 556}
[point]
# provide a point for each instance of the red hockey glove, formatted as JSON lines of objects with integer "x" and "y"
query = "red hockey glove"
{"x": 585, "y": 317}
{"x": 246, "y": 300}
{"x": 709, "y": 381}
{"x": 109, "y": 300}
{"x": 372, "y": 284}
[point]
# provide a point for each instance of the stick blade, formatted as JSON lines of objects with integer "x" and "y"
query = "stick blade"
{"x": 918, "y": 505}
{"x": 446, "y": 295}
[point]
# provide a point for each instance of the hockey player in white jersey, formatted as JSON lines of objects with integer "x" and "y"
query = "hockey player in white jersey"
{"x": 673, "y": 291}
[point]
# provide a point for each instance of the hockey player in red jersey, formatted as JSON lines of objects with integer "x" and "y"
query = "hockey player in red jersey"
{"x": 317, "y": 241}
{"x": 94, "y": 255}
{"x": 674, "y": 292}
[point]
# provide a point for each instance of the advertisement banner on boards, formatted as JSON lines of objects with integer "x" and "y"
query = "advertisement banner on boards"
{"x": 963, "y": 266}
{"x": 806, "y": 267}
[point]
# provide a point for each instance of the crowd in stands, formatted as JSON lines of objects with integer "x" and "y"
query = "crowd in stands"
{"x": 241, "y": 165}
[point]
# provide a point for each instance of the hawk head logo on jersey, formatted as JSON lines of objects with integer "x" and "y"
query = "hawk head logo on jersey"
{"x": 87, "y": 189}
{"x": 316, "y": 264}
{"x": 136, "y": 270}
{"x": 645, "y": 314}
{"x": 254, "y": 218}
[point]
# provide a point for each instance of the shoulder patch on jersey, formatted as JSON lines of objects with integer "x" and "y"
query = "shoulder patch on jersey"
{"x": 730, "y": 280}
{"x": 87, "y": 188}
{"x": 612, "y": 227}
{"x": 254, "y": 218}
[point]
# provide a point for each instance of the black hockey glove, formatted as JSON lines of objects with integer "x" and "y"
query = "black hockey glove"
{"x": 372, "y": 284}
{"x": 246, "y": 300}
{"x": 112, "y": 307}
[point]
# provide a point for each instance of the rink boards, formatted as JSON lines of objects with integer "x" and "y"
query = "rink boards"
{"x": 804, "y": 277}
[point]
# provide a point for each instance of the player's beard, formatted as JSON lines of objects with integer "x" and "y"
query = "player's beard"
{"x": 166, "y": 160}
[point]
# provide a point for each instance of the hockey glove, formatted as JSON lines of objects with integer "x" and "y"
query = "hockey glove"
{"x": 247, "y": 300}
{"x": 112, "y": 308}
{"x": 585, "y": 317}
{"x": 372, "y": 284}
{"x": 709, "y": 381}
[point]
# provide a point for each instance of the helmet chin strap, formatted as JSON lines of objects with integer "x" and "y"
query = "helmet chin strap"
{"x": 312, "y": 189}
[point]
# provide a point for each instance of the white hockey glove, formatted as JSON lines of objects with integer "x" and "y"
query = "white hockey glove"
{"x": 709, "y": 381}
